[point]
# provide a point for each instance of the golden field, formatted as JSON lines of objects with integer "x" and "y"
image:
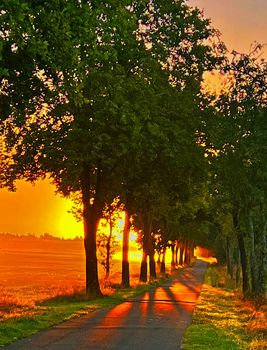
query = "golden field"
{"x": 33, "y": 270}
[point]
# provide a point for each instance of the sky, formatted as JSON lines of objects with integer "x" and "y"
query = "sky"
{"x": 240, "y": 22}
{"x": 36, "y": 209}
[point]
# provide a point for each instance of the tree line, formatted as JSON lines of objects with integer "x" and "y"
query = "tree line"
{"x": 106, "y": 98}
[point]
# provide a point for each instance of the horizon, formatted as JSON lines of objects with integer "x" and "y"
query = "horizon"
{"x": 45, "y": 235}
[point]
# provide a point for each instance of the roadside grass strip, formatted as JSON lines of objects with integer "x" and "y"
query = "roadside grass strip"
{"x": 222, "y": 320}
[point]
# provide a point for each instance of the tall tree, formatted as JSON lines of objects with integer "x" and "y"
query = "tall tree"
{"x": 80, "y": 137}
{"x": 238, "y": 134}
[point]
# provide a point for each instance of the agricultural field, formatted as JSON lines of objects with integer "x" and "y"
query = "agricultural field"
{"x": 34, "y": 270}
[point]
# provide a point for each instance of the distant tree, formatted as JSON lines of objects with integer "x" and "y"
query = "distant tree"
{"x": 109, "y": 244}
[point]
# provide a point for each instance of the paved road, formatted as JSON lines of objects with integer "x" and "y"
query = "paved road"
{"x": 155, "y": 321}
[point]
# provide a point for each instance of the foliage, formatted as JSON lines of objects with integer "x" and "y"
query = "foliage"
{"x": 105, "y": 83}
{"x": 86, "y": 122}
{"x": 239, "y": 168}
{"x": 102, "y": 241}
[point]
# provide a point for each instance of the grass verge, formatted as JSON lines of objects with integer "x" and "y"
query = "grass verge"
{"x": 32, "y": 320}
{"x": 222, "y": 320}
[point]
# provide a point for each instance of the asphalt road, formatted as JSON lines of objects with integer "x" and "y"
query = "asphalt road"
{"x": 154, "y": 321}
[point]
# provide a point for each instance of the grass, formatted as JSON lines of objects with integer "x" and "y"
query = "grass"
{"x": 222, "y": 320}
{"x": 27, "y": 321}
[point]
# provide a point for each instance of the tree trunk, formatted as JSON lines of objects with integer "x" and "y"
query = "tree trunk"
{"x": 242, "y": 250}
{"x": 259, "y": 259}
{"x": 187, "y": 254}
{"x": 143, "y": 270}
{"x": 176, "y": 253}
{"x": 237, "y": 272}
{"x": 162, "y": 265}
{"x": 244, "y": 265}
{"x": 181, "y": 257}
{"x": 90, "y": 221}
{"x": 254, "y": 271}
{"x": 146, "y": 247}
{"x": 152, "y": 264}
{"x": 229, "y": 258}
{"x": 108, "y": 251}
{"x": 262, "y": 257}
{"x": 173, "y": 257}
{"x": 191, "y": 253}
{"x": 125, "y": 278}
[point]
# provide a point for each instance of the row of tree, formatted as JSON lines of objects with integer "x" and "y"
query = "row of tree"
{"x": 106, "y": 98}
{"x": 238, "y": 134}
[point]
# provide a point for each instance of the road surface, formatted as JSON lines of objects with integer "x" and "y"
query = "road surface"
{"x": 154, "y": 321}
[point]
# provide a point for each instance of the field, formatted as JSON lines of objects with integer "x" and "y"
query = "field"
{"x": 34, "y": 270}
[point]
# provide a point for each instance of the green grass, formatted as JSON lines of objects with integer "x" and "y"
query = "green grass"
{"x": 208, "y": 337}
{"x": 60, "y": 309}
{"x": 222, "y": 320}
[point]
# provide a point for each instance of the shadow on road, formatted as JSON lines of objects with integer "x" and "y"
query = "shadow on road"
{"x": 156, "y": 320}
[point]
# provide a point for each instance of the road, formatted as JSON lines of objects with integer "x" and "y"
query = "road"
{"x": 154, "y": 321}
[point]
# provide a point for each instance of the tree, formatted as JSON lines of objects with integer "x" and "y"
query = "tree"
{"x": 237, "y": 131}
{"x": 108, "y": 243}
{"x": 107, "y": 246}
{"x": 85, "y": 66}
{"x": 125, "y": 275}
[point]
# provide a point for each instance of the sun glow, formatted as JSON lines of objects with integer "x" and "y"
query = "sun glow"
{"x": 117, "y": 231}
{"x": 216, "y": 83}
{"x": 37, "y": 210}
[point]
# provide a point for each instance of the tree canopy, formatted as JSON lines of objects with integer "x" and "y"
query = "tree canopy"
{"x": 105, "y": 98}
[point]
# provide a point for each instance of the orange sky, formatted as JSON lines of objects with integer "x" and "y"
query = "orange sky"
{"x": 38, "y": 210}
{"x": 240, "y": 21}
